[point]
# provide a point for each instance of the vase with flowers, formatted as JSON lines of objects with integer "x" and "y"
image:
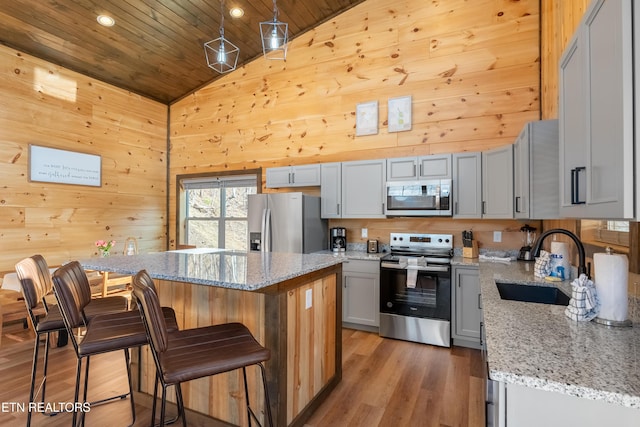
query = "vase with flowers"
{"x": 104, "y": 247}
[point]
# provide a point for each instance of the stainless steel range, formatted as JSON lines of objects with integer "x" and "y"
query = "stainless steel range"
{"x": 415, "y": 288}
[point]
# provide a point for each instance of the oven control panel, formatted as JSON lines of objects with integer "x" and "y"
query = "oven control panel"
{"x": 420, "y": 242}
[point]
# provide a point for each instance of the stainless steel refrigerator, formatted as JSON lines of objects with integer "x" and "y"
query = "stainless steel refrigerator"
{"x": 286, "y": 222}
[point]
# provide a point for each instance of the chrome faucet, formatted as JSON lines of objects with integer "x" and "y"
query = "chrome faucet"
{"x": 582, "y": 268}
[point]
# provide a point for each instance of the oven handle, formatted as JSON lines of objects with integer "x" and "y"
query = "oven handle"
{"x": 393, "y": 265}
{"x": 428, "y": 268}
{"x": 396, "y": 266}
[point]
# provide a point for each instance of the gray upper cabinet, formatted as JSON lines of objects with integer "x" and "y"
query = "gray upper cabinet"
{"x": 353, "y": 189}
{"x": 331, "y": 190}
{"x": 596, "y": 115}
{"x": 363, "y": 187}
{"x": 437, "y": 166}
{"x": 497, "y": 182}
{"x": 467, "y": 185}
{"x": 293, "y": 176}
{"x": 535, "y": 175}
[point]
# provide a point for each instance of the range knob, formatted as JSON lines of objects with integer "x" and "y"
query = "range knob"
{"x": 447, "y": 240}
{"x": 439, "y": 240}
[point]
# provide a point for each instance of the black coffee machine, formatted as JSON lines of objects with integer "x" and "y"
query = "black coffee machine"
{"x": 528, "y": 239}
{"x": 338, "y": 239}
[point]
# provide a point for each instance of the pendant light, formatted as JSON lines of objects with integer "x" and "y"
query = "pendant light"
{"x": 222, "y": 55}
{"x": 275, "y": 35}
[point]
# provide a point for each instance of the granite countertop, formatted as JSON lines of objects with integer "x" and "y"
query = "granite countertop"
{"x": 354, "y": 254}
{"x": 536, "y": 345}
{"x": 217, "y": 267}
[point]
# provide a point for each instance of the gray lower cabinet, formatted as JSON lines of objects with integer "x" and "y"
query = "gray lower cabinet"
{"x": 360, "y": 294}
{"x": 467, "y": 309}
{"x": 530, "y": 407}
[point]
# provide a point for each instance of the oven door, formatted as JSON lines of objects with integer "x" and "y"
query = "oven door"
{"x": 416, "y": 292}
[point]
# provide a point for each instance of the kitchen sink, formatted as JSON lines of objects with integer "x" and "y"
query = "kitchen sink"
{"x": 531, "y": 293}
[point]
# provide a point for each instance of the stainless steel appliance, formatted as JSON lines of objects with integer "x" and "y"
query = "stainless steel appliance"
{"x": 372, "y": 246}
{"x": 338, "y": 239}
{"x": 415, "y": 288}
{"x": 286, "y": 222}
{"x": 418, "y": 198}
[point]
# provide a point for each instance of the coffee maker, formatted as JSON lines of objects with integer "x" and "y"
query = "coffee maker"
{"x": 338, "y": 239}
{"x": 528, "y": 239}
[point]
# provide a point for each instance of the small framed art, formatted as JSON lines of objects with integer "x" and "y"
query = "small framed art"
{"x": 367, "y": 118}
{"x": 399, "y": 114}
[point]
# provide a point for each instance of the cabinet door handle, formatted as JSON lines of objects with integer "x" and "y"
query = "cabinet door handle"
{"x": 456, "y": 208}
{"x": 414, "y": 169}
{"x": 518, "y": 204}
{"x": 338, "y": 208}
{"x": 479, "y": 302}
{"x": 484, "y": 207}
{"x": 575, "y": 185}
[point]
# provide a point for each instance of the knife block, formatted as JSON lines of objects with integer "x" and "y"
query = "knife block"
{"x": 470, "y": 251}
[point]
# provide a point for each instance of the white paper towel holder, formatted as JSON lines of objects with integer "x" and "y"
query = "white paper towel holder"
{"x": 613, "y": 323}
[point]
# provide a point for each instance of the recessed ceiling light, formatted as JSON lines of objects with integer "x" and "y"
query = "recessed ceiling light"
{"x": 236, "y": 12}
{"x": 106, "y": 21}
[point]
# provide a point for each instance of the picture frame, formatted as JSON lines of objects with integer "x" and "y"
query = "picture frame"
{"x": 64, "y": 167}
{"x": 399, "y": 114}
{"x": 367, "y": 118}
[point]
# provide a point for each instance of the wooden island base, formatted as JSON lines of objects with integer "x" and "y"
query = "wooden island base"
{"x": 305, "y": 344}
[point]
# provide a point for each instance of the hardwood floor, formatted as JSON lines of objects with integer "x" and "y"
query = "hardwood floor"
{"x": 385, "y": 383}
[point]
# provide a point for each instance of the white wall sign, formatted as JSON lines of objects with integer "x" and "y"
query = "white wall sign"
{"x": 64, "y": 167}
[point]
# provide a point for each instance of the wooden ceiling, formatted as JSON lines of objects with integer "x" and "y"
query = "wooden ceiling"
{"x": 156, "y": 47}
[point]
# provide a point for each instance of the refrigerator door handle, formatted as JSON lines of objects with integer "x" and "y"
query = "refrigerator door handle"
{"x": 267, "y": 231}
{"x": 263, "y": 230}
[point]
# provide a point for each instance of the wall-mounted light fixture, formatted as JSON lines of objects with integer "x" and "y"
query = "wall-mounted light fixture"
{"x": 275, "y": 35}
{"x": 222, "y": 55}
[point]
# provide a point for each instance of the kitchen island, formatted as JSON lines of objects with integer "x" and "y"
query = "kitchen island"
{"x": 555, "y": 371}
{"x": 290, "y": 302}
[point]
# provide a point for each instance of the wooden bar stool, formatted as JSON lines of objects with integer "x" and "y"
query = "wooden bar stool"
{"x": 189, "y": 354}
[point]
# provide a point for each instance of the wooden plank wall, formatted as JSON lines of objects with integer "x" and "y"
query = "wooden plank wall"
{"x": 47, "y": 105}
{"x": 472, "y": 68}
{"x": 560, "y": 18}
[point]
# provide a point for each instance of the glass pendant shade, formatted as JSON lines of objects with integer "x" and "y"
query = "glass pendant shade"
{"x": 275, "y": 36}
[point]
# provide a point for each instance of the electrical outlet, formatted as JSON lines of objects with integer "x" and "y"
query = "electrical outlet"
{"x": 365, "y": 233}
{"x": 308, "y": 298}
{"x": 497, "y": 236}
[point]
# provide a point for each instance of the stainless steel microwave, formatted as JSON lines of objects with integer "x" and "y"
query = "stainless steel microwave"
{"x": 418, "y": 198}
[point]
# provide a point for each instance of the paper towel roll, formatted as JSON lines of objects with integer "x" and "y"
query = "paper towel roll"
{"x": 611, "y": 280}
{"x": 562, "y": 248}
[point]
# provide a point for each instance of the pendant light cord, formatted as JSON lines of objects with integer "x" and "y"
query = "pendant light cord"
{"x": 222, "y": 18}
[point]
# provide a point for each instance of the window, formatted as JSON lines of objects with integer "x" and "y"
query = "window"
{"x": 604, "y": 232}
{"x": 215, "y": 211}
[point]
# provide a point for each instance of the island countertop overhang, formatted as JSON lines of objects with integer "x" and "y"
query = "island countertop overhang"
{"x": 249, "y": 271}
